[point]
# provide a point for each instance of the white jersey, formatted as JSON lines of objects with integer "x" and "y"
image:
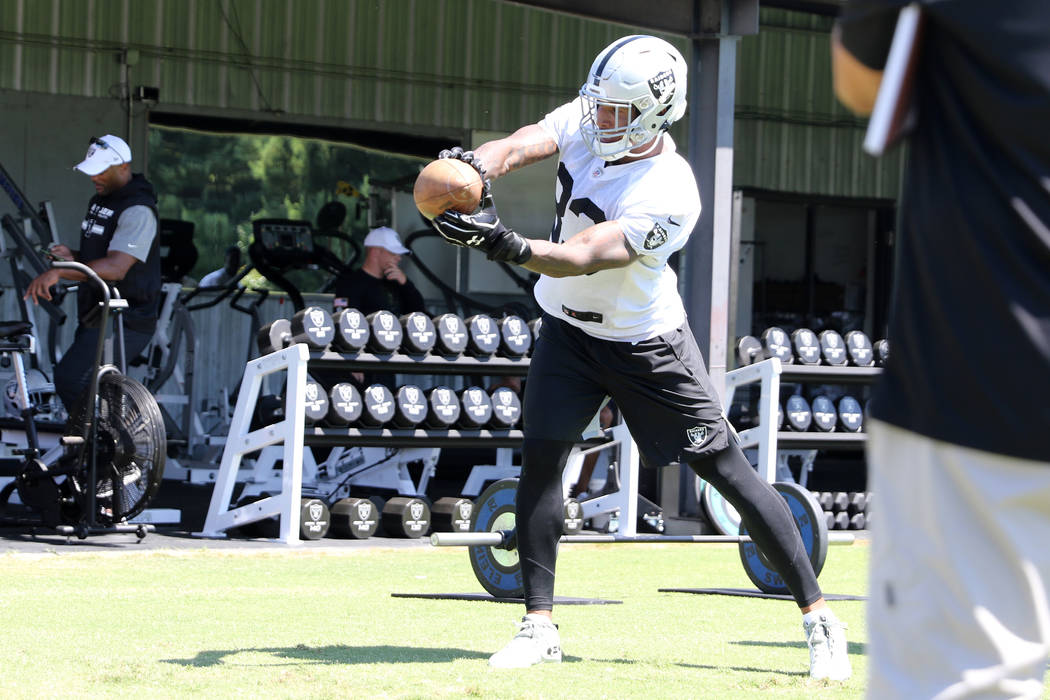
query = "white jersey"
{"x": 656, "y": 203}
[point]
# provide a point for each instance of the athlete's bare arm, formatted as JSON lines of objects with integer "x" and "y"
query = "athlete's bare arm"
{"x": 599, "y": 247}
{"x": 529, "y": 144}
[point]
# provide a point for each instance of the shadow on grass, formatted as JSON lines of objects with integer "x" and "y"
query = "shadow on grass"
{"x": 857, "y": 648}
{"x": 709, "y": 667}
{"x": 338, "y": 654}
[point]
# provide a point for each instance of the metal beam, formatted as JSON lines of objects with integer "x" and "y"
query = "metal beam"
{"x": 672, "y": 16}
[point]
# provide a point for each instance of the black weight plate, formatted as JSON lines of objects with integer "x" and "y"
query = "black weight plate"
{"x": 506, "y": 408}
{"x": 351, "y": 331}
{"x": 385, "y": 332}
{"x": 354, "y": 518}
{"x": 313, "y": 326}
{"x": 748, "y": 350}
{"x": 832, "y": 347}
{"x": 799, "y": 416}
{"x": 776, "y": 343}
{"x": 452, "y": 514}
{"x": 379, "y": 406}
{"x": 475, "y": 407}
{"x": 405, "y": 516}
{"x": 882, "y": 352}
{"x": 515, "y": 338}
{"x": 824, "y": 415}
{"x": 858, "y": 346}
{"x": 444, "y": 408}
{"x": 572, "y": 522}
{"x": 316, "y": 402}
{"x": 851, "y": 416}
{"x": 314, "y": 519}
{"x": 410, "y": 406}
{"x": 812, "y": 526}
{"x": 497, "y": 570}
{"x": 418, "y": 334}
{"x": 723, "y": 516}
{"x": 344, "y": 404}
{"x": 807, "y": 346}
{"x": 451, "y": 334}
{"x": 274, "y": 336}
{"x": 482, "y": 335}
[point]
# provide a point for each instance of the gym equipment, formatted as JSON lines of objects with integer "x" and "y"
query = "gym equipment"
{"x": 572, "y": 522}
{"x": 315, "y": 519}
{"x": 354, "y": 518}
{"x": 379, "y": 406}
{"x": 405, "y": 517}
{"x": 776, "y": 343}
{"x": 313, "y": 326}
{"x": 475, "y": 407}
{"x": 418, "y": 334}
{"x": 506, "y": 408}
{"x": 451, "y": 335}
{"x": 799, "y": 416}
{"x": 748, "y": 350}
{"x": 857, "y": 502}
{"x": 281, "y": 246}
{"x": 351, "y": 331}
{"x": 515, "y": 338}
{"x": 410, "y": 407}
{"x": 385, "y": 331}
{"x": 839, "y": 501}
{"x": 858, "y": 347}
{"x": 824, "y": 415}
{"x": 444, "y": 408}
{"x": 275, "y": 335}
{"x": 316, "y": 403}
{"x": 723, "y": 516}
{"x": 851, "y": 416}
{"x": 833, "y": 348}
{"x": 451, "y": 514}
{"x": 534, "y": 327}
{"x": 483, "y": 335}
{"x": 492, "y": 542}
{"x": 807, "y": 346}
{"x": 344, "y": 404}
{"x": 882, "y": 352}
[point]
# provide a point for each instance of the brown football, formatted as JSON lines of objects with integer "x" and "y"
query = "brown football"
{"x": 446, "y": 184}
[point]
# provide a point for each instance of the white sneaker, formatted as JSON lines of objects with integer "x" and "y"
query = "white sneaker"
{"x": 537, "y": 641}
{"x": 828, "y": 658}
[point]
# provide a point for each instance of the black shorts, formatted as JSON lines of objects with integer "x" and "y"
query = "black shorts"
{"x": 660, "y": 385}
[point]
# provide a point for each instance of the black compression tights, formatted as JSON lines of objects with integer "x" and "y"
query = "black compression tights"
{"x": 767, "y": 517}
{"x": 540, "y": 512}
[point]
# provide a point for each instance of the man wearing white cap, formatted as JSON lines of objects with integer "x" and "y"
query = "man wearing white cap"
{"x": 118, "y": 239}
{"x": 379, "y": 284}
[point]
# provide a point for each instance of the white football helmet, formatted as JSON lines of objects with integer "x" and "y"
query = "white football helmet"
{"x": 42, "y": 396}
{"x": 644, "y": 79}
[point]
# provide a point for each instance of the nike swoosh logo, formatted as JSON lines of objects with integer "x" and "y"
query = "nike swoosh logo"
{"x": 672, "y": 222}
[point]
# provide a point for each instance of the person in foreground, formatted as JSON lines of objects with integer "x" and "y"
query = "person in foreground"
{"x": 958, "y": 455}
{"x": 614, "y": 325}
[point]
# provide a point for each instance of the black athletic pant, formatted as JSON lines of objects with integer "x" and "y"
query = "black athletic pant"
{"x": 762, "y": 510}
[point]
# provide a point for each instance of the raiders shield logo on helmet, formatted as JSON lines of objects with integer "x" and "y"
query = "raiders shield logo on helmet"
{"x": 662, "y": 85}
{"x": 656, "y": 238}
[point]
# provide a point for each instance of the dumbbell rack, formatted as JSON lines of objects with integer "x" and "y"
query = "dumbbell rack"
{"x": 771, "y": 372}
{"x": 293, "y": 434}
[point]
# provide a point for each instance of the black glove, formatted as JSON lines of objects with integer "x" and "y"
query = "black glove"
{"x": 470, "y": 159}
{"x": 483, "y": 231}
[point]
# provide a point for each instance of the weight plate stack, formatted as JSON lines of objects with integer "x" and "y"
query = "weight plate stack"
{"x": 833, "y": 348}
{"x": 344, "y": 404}
{"x": 506, "y": 408}
{"x": 824, "y": 415}
{"x": 851, "y": 416}
{"x": 776, "y": 343}
{"x": 385, "y": 332}
{"x": 812, "y": 526}
{"x": 451, "y": 335}
{"x": 799, "y": 416}
{"x": 858, "y": 346}
{"x": 313, "y": 326}
{"x": 410, "y": 407}
{"x": 316, "y": 402}
{"x": 807, "y": 346}
{"x": 444, "y": 408}
{"x": 406, "y": 517}
{"x": 482, "y": 335}
{"x": 515, "y": 338}
{"x": 496, "y": 568}
{"x": 379, "y": 406}
{"x": 418, "y": 334}
{"x": 354, "y": 518}
{"x": 274, "y": 336}
{"x": 475, "y": 407}
{"x": 451, "y": 514}
{"x": 351, "y": 331}
{"x": 748, "y": 350}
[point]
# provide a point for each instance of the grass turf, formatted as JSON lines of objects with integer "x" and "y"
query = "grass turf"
{"x": 302, "y": 623}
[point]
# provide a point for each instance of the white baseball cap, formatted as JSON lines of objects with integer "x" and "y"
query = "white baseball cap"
{"x": 385, "y": 237}
{"x": 102, "y": 153}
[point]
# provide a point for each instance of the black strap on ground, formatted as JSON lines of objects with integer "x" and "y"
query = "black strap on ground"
{"x": 748, "y": 593}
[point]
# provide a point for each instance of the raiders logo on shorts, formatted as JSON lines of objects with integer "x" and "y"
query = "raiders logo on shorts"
{"x": 656, "y": 238}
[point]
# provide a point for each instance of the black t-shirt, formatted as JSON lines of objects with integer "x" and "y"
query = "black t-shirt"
{"x": 970, "y": 324}
{"x": 366, "y": 293}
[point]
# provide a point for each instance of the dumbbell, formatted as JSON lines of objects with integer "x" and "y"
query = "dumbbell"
{"x": 410, "y": 407}
{"x": 824, "y": 498}
{"x": 351, "y": 331}
{"x": 385, "y": 332}
{"x": 857, "y": 521}
{"x": 851, "y": 416}
{"x": 451, "y": 514}
{"x": 444, "y": 408}
{"x": 404, "y": 516}
{"x": 882, "y": 352}
{"x": 857, "y": 502}
{"x": 314, "y": 520}
{"x": 824, "y": 415}
{"x": 534, "y": 328}
{"x": 483, "y": 335}
{"x": 807, "y": 346}
{"x": 475, "y": 408}
{"x": 378, "y": 406}
{"x": 839, "y": 501}
{"x": 314, "y": 327}
{"x": 354, "y": 518}
{"x": 418, "y": 336}
{"x": 841, "y": 521}
{"x": 515, "y": 338}
{"x": 344, "y": 404}
{"x": 315, "y": 402}
{"x": 275, "y": 335}
{"x": 829, "y": 519}
{"x": 748, "y": 350}
{"x": 506, "y": 408}
{"x": 798, "y": 415}
{"x": 451, "y": 335}
{"x": 777, "y": 343}
{"x": 858, "y": 347}
{"x": 832, "y": 348}
{"x": 573, "y": 520}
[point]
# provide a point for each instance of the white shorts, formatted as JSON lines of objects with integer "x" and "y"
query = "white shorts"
{"x": 960, "y": 564}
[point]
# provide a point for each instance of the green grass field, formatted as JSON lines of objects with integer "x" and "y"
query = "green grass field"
{"x": 301, "y": 623}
